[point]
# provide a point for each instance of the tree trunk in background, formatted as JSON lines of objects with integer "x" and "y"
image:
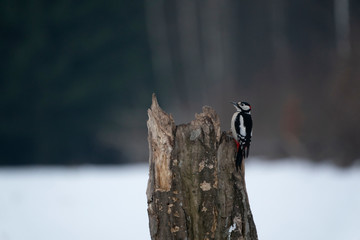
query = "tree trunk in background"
{"x": 194, "y": 191}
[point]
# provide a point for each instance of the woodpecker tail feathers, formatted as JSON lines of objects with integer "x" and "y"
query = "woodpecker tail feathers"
{"x": 247, "y": 151}
{"x": 242, "y": 153}
{"x": 239, "y": 158}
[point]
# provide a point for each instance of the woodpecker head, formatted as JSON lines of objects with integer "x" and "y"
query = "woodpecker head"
{"x": 242, "y": 106}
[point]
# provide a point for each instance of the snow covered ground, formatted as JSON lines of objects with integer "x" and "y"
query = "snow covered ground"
{"x": 289, "y": 199}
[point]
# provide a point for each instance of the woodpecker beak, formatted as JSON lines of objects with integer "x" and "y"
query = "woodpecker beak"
{"x": 234, "y": 103}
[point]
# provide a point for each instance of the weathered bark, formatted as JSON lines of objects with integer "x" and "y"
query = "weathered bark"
{"x": 194, "y": 191}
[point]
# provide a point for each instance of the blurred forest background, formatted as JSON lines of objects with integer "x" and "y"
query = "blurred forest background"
{"x": 76, "y": 77}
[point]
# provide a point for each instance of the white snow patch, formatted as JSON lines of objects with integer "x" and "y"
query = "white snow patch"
{"x": 74, "y": 203}
{"x": 289, "y": 200}
{"x": 299, "y": 200}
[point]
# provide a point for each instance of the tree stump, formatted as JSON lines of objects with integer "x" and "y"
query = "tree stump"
{"x": 194, "y": 191}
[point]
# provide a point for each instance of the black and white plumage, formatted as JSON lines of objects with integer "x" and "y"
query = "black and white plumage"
{"x": 241, "y": 128}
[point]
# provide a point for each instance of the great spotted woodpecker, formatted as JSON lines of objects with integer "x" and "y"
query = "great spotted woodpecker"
{"x": 241, "y": 128}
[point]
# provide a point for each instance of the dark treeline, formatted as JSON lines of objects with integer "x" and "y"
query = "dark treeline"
{"x": 66, "y": 67}
{"x": 76, "y": 77}
{"x": 296, "y": 62}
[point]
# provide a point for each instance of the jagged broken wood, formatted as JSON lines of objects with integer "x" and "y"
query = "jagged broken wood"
{"x": 194, "y": 191}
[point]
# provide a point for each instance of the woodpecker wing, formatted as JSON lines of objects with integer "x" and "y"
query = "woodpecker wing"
{"x": 240, "y": 127}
